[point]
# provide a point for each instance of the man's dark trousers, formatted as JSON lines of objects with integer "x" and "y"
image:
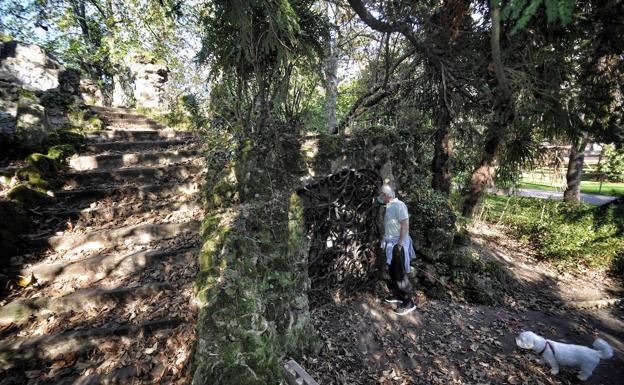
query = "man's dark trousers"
{"x": 399, "y": 282}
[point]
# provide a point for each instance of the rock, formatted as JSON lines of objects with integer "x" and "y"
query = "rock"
{"x": 461, "y": 258}
{"x": 91, "y": 93}
{"x": 69, "y": 81}
{"x": 122, "y": 87}
{"x": 29, "y": 66}
{"x": 47, "y": 165}
{"x": 150, "y": 79}
{"x": 10, "y": 230}
{"x": 32, "y": 128}
{"x": 480, "y": 290}
{"x": 28, "y": 197}
{"x": 9, "y": 98}
{"x": 34, "y": 177}
{"x": 61, "y": 151}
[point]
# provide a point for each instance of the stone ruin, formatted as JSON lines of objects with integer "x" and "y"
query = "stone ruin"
{"x": 32, "y": 68}
{"x": 35, "y": 90}
{"x": 29, "y": 66}
{"x": 149, "y": 83}
{"x": 140, "y": 81}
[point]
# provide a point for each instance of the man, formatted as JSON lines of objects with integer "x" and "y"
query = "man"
{"x": 397, "y": 245}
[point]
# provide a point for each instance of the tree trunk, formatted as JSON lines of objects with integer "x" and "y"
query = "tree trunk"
{"x": 481, "y": 177}
{"x": 572, "y": 193}
{"x": 330, "y": 67}
{"x": 440, "y": 165}
{"x": 122, "y": 87}
{"x": 331, "y": 90}
{"x": 503, "y": 117}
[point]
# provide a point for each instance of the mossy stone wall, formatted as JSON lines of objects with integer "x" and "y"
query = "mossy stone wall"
{"x": 252, "y": 289}
{"x": 253, "y": 281}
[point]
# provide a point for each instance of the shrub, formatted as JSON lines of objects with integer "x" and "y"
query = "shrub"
{"x": 43, "y": 163}
{"x": 433, "y": 221}
{"x": 572, "y": 236}
{"x": 56, "y": 99}
{"x": 613, "y": 167}
{"x": 61, "y": 151}
{"x": 34, "y": 177}
{"x": 27, "y": 196}
{"x": 84, "y": 119}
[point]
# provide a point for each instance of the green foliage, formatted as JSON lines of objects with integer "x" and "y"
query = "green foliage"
{"x": 433, "y": 220}
{"x": 520, "y": 151}
{"x": 262, "y": 49}
{"x": 571, "y": 236}
{"x": 613, "y": 167}
{"x": 251, "y": 287}
{"x": 40, "y": 174}
{"x": 45, "y": 164}
{"x": 253, "y": 36}
{"x": 84, "y": 119}
{"x": 27, "y": 94}
{"x": 522, "y": 11}
{"x": 61, "y": 152}
{"x": 27, "y": 196}
{"x": 56, "y": 99}
{"x": 34, "y": 177}
{"x": 184, "y": 115}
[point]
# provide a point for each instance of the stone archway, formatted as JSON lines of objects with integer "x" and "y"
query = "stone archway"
{"x": 342, "y": 223}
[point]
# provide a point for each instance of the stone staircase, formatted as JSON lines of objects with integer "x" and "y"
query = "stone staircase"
{"x": 113, "y": 264}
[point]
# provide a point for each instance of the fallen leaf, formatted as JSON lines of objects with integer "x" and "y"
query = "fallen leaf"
{"x": 28, "y": 280}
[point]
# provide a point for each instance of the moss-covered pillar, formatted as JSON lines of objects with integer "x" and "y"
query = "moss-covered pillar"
{"x": 252, "y": 284}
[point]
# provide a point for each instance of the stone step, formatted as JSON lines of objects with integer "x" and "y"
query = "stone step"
{"x": 102, "y": 266}
{"x": 81, "y": 300}
{"x": 132, "y": 146}
{"x": 105, "y": 109}
{"x": 136, "y": 235}
{"x": 139, "y": 135}
{"x": 122, "y": 115}
{"x": 122, "y": 211}
{"x": 136, "y": 123}
{"x": 119, "y": 376}
{"x": 103, "y": 161}
{"x": 27, "y": 352}
{"x": 135, "y": 174}
{"x": 157, "y": 191}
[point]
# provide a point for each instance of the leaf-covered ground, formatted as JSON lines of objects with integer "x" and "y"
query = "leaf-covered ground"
{"x": 451, "y": 342}
{"x": 103, "y": 290}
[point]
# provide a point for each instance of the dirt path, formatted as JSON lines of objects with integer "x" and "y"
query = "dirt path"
{"x": 446, "y": 342}
{"x": 112, "y": 264}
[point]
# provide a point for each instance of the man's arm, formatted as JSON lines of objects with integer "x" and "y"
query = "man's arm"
{"x": 404, "y": 231}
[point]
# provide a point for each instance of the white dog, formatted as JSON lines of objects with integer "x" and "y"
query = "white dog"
{"x": 557, "y": 353}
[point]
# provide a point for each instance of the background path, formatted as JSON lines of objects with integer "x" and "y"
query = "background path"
{"x": 597, "y": 200}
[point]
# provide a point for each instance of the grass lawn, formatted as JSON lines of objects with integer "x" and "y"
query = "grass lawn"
{"x": 587, "y": 187}
{"x": 569, "y": 235}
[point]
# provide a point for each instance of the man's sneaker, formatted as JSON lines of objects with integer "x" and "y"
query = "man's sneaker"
{"x": 392, "y": 300}
{"x": 406, "y": 308}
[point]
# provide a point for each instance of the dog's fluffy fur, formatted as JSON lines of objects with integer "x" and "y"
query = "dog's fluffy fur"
{"x": 557, "y": 353}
